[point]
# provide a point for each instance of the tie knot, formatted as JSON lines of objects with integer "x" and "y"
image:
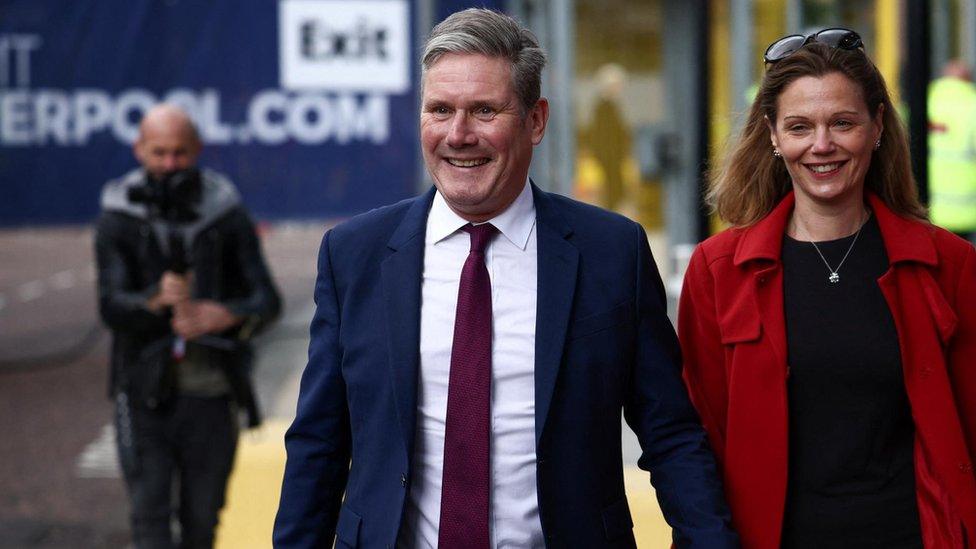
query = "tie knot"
{"x": 480, "y": 235}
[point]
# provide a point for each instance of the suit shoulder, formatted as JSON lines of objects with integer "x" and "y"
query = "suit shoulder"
{"x": 376, "y": 219}
{"x": 374, "y": 227}
{"x": 584, "y": 216}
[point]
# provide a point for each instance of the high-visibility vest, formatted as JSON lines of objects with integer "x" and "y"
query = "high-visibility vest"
{"x": 952, "y": 154}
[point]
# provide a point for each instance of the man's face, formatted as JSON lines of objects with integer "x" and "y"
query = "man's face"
{"x": 166, "y": 145}
{"x": 477, "y": 143}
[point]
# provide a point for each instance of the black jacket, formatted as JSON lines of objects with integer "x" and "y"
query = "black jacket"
{"x": 131, "y": 249}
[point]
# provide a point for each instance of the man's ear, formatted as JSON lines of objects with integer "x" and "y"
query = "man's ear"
{"x": 137, "y": 150}
{"x": 539, "y": 117}
{"x": 195, "y": 147}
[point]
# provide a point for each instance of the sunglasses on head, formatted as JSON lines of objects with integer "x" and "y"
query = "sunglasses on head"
{"x": 844, "y": 39}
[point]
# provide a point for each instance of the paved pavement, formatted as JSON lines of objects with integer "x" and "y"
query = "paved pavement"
{"x": 59, "y": 477}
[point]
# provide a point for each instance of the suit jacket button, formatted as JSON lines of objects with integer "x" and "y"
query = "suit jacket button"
{"x": 966, "y": 467}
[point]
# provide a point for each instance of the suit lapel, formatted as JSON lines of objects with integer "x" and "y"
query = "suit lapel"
{"x": 402, "y": 274}
{"x": 558, "y": 262}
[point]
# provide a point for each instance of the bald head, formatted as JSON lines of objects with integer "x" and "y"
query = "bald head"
{"x": 957, "y": 68}
{"x": 167, "y": 142}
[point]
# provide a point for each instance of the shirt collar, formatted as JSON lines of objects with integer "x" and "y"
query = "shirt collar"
{"x": 515, "y": 222}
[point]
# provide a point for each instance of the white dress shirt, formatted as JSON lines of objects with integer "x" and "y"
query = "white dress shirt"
{"x": 512, "y": 266}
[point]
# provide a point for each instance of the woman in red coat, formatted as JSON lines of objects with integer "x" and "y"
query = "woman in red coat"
{"x": 829, "y": 336}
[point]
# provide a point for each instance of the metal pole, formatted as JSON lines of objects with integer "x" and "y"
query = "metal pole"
{"x": 942, "y": 31}
{"x": 517, "y": 9}
{"x": 561, "y": 71}
{"x": 794, "y": 16}
{"x": 423, "y": 21}
{"x": 742, "y": 63}
{"x": 915, "y": 83}
{"x": 686, "y": 76}
{"x": 536, "y": 16}
{"x": 686, "y": 94}
{"x": 553, "y": 22}
{"x": 967, "y": 31}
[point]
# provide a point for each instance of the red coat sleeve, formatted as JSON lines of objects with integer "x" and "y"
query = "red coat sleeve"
{"x": 962, "y": 350}
{"x": 702, "y": 350}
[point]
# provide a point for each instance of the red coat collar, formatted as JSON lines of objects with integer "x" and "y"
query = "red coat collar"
{"x": 905, "y": 239}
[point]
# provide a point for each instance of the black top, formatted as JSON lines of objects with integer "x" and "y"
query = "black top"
{"x": 851, "y": 468}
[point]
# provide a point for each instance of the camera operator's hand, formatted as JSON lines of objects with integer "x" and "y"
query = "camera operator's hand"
{"x": 194, "y": 318}
{"x": 173, "y": 289}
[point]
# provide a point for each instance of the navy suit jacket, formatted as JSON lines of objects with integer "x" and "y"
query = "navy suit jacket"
{"x": 603, "y": 344}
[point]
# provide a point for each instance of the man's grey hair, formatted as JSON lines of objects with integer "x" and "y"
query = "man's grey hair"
{"x": 493, "y": 34}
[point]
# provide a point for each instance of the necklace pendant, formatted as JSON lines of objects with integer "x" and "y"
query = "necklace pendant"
{"x": 834, "y": 278}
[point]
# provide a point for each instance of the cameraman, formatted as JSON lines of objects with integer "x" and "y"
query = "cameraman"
{"x": 182, "y": 285}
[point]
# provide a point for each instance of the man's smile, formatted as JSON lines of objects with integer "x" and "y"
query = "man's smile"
{"x": 467, "y": 162}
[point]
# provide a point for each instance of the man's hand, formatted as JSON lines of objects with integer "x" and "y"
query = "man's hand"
{"x": 194, "y": 318}
{"x": 173, "y": 289}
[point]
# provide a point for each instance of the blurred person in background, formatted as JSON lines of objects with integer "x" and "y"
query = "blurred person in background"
{"x": 472, "y": 348}
{"x": 182, "y": 285}
{"x": 609, "y": 135}
{"x": 952, "y": 150}
{"x": 829, "y": 336}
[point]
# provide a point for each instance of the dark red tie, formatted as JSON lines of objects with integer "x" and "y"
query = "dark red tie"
{"x": 464, "y": 494}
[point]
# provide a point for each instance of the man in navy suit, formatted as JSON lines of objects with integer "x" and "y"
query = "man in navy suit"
{"x": 472, "y": 348}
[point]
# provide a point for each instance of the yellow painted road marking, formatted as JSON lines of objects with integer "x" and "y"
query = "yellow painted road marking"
{"x": 255, "y": 485}
{"x": 650, "y": 529}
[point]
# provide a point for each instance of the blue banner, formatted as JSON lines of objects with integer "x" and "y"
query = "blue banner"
{"x": 310, "y": 106}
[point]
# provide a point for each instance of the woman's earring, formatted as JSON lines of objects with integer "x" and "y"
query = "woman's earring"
{"x": 877, "y": 144}
{"x": 777, "y": 154}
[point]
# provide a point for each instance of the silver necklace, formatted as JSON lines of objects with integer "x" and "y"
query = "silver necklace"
{"x": 834, "y": 278}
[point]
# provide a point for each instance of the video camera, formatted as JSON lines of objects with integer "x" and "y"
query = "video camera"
{"x": 173, "y": 198}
